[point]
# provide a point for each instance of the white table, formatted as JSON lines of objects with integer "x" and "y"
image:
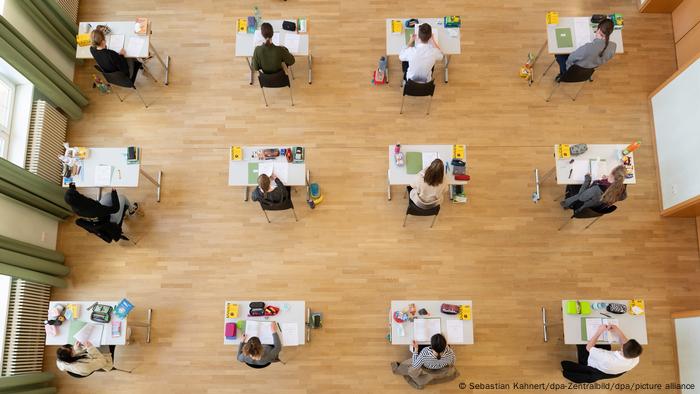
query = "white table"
{"x": 125, "y": 28}
{"x": 245, "y": 44}
{"x": 238, "y": 169}
{"x": 398, "y": 176}
{"x": 570, "y": 22}
{"x": 433, "y": 307}
{"x": 634, "y": 327}
{"x": 611, "y": 153}
{"x": 123, "y": 173}
{"x": 449, "y": 39}
{"x": 107, "y": 339}
{"x": 290, "y": 312}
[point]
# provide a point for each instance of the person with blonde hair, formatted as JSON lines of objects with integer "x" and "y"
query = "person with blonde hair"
{"x": 428, "y": 189}
{"x": 600, "y": 193}
{"x": 252, "y": 352}
{"x": 109, "y": 60}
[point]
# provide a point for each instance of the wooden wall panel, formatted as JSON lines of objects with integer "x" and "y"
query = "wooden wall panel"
{"x": 685, "y": 17}
{"x": 688, "y": 48}
{"x": 659, "y": 6}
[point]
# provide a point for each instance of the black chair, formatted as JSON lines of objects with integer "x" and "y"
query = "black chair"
{"x": 588, "y": 213}
{"x": 578, "y": 373}
{"x": 258, "y": 366}
{"x": 279, "y": 79}
{"x": 280, "y": 206}
{"x": 120, "y": 79}
{"x": 575, "y": 74}
{"x": 414, "y": 210}
{"x": 417, "y": 89}
{"x": 75, "y": 375}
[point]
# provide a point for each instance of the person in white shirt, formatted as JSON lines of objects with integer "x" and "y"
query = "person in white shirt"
{"x": 419, "y": 57}
{"x": 428, "y": 189}
{"x": 613, "y": 362}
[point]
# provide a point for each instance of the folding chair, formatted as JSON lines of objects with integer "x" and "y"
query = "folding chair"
{"x": 120, "y": 79}
{"x": 418, "y": 89}
{"x": 279, "y": 79}
{"x": 414, "y": 210}
{"x": 281, "y": 206}
{"x": 574, "y": 74}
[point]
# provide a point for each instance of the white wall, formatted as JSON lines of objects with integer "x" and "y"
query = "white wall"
{"x": 688, "y": 350}
{"x": 676, "y": 110}
{"x": 22, "y": 22}
{"x": 26, "y": 224}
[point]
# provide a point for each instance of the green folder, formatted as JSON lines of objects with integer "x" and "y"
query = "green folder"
{"x": 414, "y": 162}
{"x": 253, "y": 173}
{"x": 408, "y": 32}
{"x": 564, "y": 37}
{"x": 73, "y": 328}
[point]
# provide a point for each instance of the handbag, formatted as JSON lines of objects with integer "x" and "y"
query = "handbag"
{"x": 289, "y": 26}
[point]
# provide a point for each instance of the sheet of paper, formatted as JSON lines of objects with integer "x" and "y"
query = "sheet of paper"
{"x": 580, "y": 169}
{"x": 266, "y": 168}
{"x": 259, "y": 40}
{"x": 455, "y": 330}
{"x": 103, "y": 175}
{"x": 428, "y": 158}
{"x": 134, "y": 48}
{"x": 424, "y": 329}
{"x": 599, "y": 168}
{"x": 90, "y": 333}
{"x": 260, "y": 329}
{"x": 592, "y": 325}
{"x": 290, "y": 334}
{"x": 116, "y": 42}
{"x": 281, "y": 170}
{"x": 582, "y": 32}
{"x": 291, "y": 41}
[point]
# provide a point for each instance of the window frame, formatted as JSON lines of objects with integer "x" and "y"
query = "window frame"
{"x": 5, "y": 131}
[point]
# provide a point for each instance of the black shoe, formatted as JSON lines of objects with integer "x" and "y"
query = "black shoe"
{"x": 557, "y": 79}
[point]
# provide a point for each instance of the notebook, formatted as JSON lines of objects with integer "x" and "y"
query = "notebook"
{"x": 259, "y": 40}
{"x": 116, "y": 42}
{"x": 455, "y": 330}
{"x": 424, "y": 329}
{"x": 582, "y": 32}
{"x": 89, "y": 333}
{"x": 103, "y": 175}
{"x": 291, "y": 41}
{"x": 253, "y": 173}
{"x": 598, "y": 168}
{"x": 134, "y": 48}
{"x": 591, "y": 326}
{"x": 279, "y": 168}
{"x": 428, "y": 158}
{"x": 290, "y": 334}
{"x": 414, "y": 162}
{"x": 260, "y": 329}
{"x": 564, "y": 39}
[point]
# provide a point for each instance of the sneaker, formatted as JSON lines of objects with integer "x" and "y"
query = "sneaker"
{"x": 133, "y": 209}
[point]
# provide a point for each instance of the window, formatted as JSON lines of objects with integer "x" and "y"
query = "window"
{"x": 7, "y": 98}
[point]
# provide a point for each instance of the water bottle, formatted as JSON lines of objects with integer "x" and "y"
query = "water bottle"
{"x": 258, "y": 18}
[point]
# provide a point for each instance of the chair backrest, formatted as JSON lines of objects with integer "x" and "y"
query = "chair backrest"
{"x": 576, "y": 73}
{"x": 279, "y": 79}
{"x": 75, "y": 375}
{"x": 258, "y": 366}
{"x": 117, "y": 78}
{"x": 415, "y": 210}
{"x": 279, "y": 206}
{"x": 595, "y": 211}
{"x": 418, "y": 89}
{"x": 586, "y": 374}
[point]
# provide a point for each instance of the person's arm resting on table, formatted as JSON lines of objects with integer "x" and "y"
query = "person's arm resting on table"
{"x": 594, "y": 339}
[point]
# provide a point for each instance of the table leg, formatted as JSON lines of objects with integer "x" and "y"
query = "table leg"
{"x": 310, "y": 60}
{"x": 386, "y": 72}
{"x": 308, "y": 325}
{"x": 153, "y": 181}
{"x": 99, "y": 193}
{"x": 165, "y": 64}
{"x": 548, "y": 174}
{"x": 308, "y": 185}
{"x": 147, "y": 71}
{"x": 146, "y": 325}
{"x": 534, "y": 61}
{"x": 250, "y": 66}
{"x": 388, "y": 185}
{"x": 447, "y": 64}
{"x": 245, "y": 193}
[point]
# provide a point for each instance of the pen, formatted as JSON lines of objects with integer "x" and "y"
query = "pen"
{"x": 605, "y": 314}
{"x": 570, "y": 172}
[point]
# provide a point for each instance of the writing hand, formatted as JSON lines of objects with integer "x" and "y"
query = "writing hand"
{"x": 89, "y": 344}
{"x": 122, "y": 52}
{"x": 274, "y": 327}
{"x": 414, "y": 345}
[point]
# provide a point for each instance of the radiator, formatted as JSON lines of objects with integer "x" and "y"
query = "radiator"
{"x": 25, "y": 335}
{"x": 47, "y": 133}
{"x": 71, "y": 8}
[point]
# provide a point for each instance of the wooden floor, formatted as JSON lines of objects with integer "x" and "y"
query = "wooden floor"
{"x": 349, "y": 257}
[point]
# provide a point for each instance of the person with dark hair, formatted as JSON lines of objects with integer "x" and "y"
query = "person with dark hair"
{"x": 436, "y": 356}
{"x": 251, "y": 351}
{"x": 269, "y": 57}
{"x": 592, "y": 55}
{"x": 269, "y": 192}
{"x": 419, "y": 57}
{"x": 110, "y": 205}
{"x": 601, "y": 193}
{"x": 83, "y": 359}
{"x": 429, "y": 188}
{"x": 606, "y": 360}
{"x": 111, "y": 61}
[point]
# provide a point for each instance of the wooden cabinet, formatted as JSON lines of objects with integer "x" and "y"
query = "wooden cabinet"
{"x": 686, "y": 31}
{"x": 658, "y": 6}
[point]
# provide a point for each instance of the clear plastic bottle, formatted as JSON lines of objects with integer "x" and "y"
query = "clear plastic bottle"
{"x": 258, "y": 17}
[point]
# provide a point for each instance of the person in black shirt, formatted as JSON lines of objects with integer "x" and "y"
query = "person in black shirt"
{"x": 110, "y": 61}
{"x": 270, "y": 193}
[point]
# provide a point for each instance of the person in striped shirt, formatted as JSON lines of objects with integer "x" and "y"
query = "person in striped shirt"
{"x": 436, "y": 356}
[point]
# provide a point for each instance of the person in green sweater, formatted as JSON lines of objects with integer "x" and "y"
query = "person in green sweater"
{"x": 269, "y": 57}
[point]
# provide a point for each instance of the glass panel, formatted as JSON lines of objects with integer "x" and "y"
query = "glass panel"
{"x": 5, "y": 101}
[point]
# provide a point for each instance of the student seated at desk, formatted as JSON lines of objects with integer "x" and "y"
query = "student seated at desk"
{"x": 434, "y": 362}
{"x": 269, "y": 57}
{"x": 418, "y": 58}
{"x": 597, "y": 362}
{"x": 268, "y": 192}
{"x": 428, "y": 189}
{"x": 599, "y": 194}
{"x": 592, "y": 55}
{"x": 84, "y": 359}
{"x": 252, "y": 352}
{"x": 110, "y": 61}
{"x": 110, "y": 205}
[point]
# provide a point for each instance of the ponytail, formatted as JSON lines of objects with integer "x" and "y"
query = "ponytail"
{"x": 606, "y": 27}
